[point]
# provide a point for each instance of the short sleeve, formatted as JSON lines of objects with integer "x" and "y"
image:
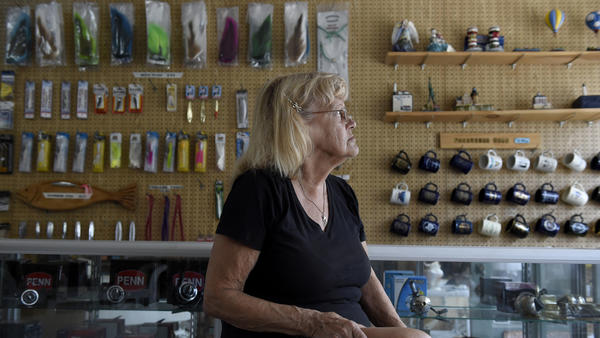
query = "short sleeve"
{"x": 250, "y": 209}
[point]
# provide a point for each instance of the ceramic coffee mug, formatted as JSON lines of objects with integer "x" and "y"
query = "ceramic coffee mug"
{"x": 429, "y": 194}
{"x": 462, "y": 194}
{"x": 595, "y": 162}
{"x": 518, "y": 194}
{"x": 546, "y": 162}
{"x": 574, "y": 161}
{"x": 429, "y": 163}
{"x": 401, "y": 163}
{"x": 518, "y": 226}
{"x": 429, "y": 224}
{"x": 546, "y": 194}
{"x": 547, "y": 225}
{"x": 490, "y": 194}
{"x": 401, "y": 225}
{"x": 490, "y": 226}
{"x": 490, "y": 161}
{"x": 518, "y": 161}
{"x": 400, "y": 194}
{"x": 462, "y": 161}
{"x": 575, "y": 195}
{"x": 576, "y": 226}
{"x": 462, "y": 226}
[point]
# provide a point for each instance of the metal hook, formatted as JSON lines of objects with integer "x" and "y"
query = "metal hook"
{"x": 396, "y": 125}
{"x": 153, "y": 86}
{"x": 423, "y": 66}
{"x": 396, "y": 67}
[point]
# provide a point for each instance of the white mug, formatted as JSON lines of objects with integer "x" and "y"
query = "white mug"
{"x": 490, "y": 227}
{"x": 518, "y": 161}
{"x": 490, "y": 161}
{"x": 400, "y": 194}
{"x": 574, "y": 161}
{"x": 546, "y": 162}
{"x": 575, "y": 195}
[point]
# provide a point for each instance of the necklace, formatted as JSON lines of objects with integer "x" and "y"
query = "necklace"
{"x": 322, "y": 211}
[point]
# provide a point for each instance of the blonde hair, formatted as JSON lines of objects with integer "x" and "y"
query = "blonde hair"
{"x": 280, "y": 139}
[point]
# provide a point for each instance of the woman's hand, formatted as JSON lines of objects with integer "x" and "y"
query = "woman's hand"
{"x": 330, "y": 324}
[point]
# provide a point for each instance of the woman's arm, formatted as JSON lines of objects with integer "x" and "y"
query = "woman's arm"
{"x": 229, "y": 266}
{"x": 376, "y": 303}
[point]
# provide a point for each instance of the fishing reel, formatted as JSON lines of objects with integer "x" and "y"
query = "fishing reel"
{"x": 420, "y": 304}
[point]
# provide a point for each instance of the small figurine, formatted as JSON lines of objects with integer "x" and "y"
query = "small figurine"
{"x": 555, "y": 19}
{"x": 541, "y": 102}
{"x": 403, "y": 35}
{"x": 474, "y": 96}
{"x": 493, "y": 44}
{"x": 472, "y": 45}
{"x": 592, "y": 20}
{"x": 431, "y": 105}
{"x": 437, "y": 43}
{"x": 470, "y": 102}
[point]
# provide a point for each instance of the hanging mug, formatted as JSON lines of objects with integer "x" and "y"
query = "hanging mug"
{"x": 595, "y": 162}
{"x": 518, "y": 194}
{"x": 518, "y": 161}
{"x": 429, "y": 224}
{"x": 401, "y": 225}
{"x": 490, "y": 226}
{"x": 428, "y": 163}
{"x": 429, "y": 194}
{"x": 596, "y": 194}
{"x": 518, "y": 226}
{"x": 401, "y": 163}
{"x": 546, "y": 196}
{"x": 547, "y": 225}
{"x": 400, "y": 194}
{"x": 462, "y": 163}
{"x": 575, "y": 195}
{"x": 597, "y": 228}
{"x": 462, "y": 226}
{"x": 576, "y": 226}
{"x": 546, "y": 162}
{"x": 574, "y": 161}
{"x": 490, "y": 194}
{"x": 462, "y": 194}
{"x": 490, "y": 161}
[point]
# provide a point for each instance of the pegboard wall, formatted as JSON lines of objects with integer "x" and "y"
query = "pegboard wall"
{"x": 371, "y": 82}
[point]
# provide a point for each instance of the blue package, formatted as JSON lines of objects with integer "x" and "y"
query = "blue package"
{"x": 405, "y": 295}
{"x": 388, "y": 282}
{"x": 242, "y": 140}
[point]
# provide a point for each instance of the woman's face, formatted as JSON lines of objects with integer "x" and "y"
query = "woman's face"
{"x": 331, "y": 131}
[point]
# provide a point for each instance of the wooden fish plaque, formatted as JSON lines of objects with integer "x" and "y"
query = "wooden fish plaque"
{"x": 490, "y": 140}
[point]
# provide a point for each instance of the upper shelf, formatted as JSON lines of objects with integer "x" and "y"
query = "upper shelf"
{"x": 491, "y": 58}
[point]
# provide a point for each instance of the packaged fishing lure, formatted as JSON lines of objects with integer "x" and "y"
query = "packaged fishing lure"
{"x": 136, "y": 98}
{"x": 193, "y": 24}
{"x": 242, "y": 141}
{"x": 49, "y": 34}
{"x": 116, "y": 140}
{"x": 80, "y": 152}
{"x": 333, "y": 22}
{"x": 228, "y": 35}
{"x": 260, "y": 20}
{"x": 119, "y": 98}
{"x": 200, "y": 153}
{"x": 43, "y": 152}
{"x": 65, "y": 100}
{"x": 98, "y": 152}
{"x": 46, "y": 100}
{"x": 19, "y": 36}
{"x": 183, "y": 152}
{"x": 29, "y": 104}
{"x": 61, "y": 152}
{"x": 82, "y": 99}
{"x": 26, "y": 152}
{"x": 220, "y": 151}
{"x": 121, "y": 29}
{"x": 135, "y": 151}
{"x": 100, "y": 98}
{"x": 151, "y": 160}
{"x": 158, "y": 30}
{"x": 297, "y": 41}
{"x": 241, "y": 104}
{"x": 219, "y": 199}
{"x": 7, "y": 112}
{"x": 171, "y": 97}
{"x": 7, "y": 85}
{"x": 170, "y": 152}
{"x": 7, "y": 144}
{"x": 85, "y": 28}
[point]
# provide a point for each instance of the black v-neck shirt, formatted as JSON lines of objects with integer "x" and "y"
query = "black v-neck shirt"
{"x": 299, "y": 263}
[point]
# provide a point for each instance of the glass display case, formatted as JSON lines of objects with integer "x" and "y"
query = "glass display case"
{"x": 61, "y": 288}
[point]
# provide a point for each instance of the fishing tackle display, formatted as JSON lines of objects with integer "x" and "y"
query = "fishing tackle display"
{"x": 18, "y": 36}
{"x": 121, "y": 29}
{"x": 193, "y": 24}
{"x": 85, "y": 30}
{"x": 297, "y": 38}
{"x": 227, "y": 33}
{"x": 158, "y": 29}
{"x": 260, "y": 19}
{"x": 49, "y": 35}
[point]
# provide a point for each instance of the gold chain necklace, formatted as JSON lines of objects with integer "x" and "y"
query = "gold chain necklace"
{"x": 322, "y": 211}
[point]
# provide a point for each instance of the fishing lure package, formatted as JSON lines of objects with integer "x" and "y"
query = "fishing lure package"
{"x": 333, "y": 23}
{"x": 151, "y": 161}
{"x": 43, "y": 152}
{"x": 193, "y": 24}
{"x": 242, "y": 141}
{"x": 7, "y": 85}
{"x": 170, "y": 149}
{"x": 80, "y": 152}
{"x": 116, "y": 140}
{"x": 7, "y": 112}
{"x": 158, "y": 29}
{"x": 200, "y": 153}
{"x": 100, "y": 98}
{"x": 65, "y": 100}
{"x": 121, "y": 29}
{"x": 228, "y": 35}
{"x": 7, "y": 145}
{"x": 46, "y": 100}
{"x": 49, "y": 35}
{"x": 82, "y": 99}
{"x": 85, "y": 29}
{"x": 220, "y": 151}
{"x": 119, "y": 96}
{"x": 219, "y": 188}
{"x": 61, "y": 152}
{"x": 183, "y": 152}
{"x": 18, "y": 36}
{"x": 98, "y": 152}
{"x": 297, "y": 42}
{"x": 241, "y": 104}
{"x": 26, "y": 152}
{"x": 171, "y": 97}
{"x": 29, "y": 104}
{"x": 135, "y": 151}
{"x": 136, "y": 98}
{"x": 260, "y": 20}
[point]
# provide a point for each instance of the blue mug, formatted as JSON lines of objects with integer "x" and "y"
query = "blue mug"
{"x": 462, "y": 163}
{"x": 429, "y": 194}
{"x": 518, "y": 226}
{"x": 576, "y": 226}
{"x": 401, "y": 163}
{"x": 547, "y": 196}
{"x": 518, "y": 194}
{"x": 429, "y": 224}
{"x": 428, "y": 163}
{"x": 547, "y": 225}
{"x": 401, "y": 225}
{"x": 595, "y": 163}
{"x": 490, "y": 194}
{"x": 596, "y": 194}
{"x": 462, "y": 226}
{"x": 462, "y": 194}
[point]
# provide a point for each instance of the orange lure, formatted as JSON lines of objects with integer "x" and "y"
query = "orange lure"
{"x": 63, "y": 195}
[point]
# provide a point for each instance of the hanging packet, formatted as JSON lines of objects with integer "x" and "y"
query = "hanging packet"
{"x": 118, "y": 100}
{"x": 46, "y": 100}
{"x": 100, "y": 98}
{"x": 200, "y": 153}
{"x": 29, "y": 104}
{"x": 193, "y": 24}
{"x": 170, "y": 149}
{"x": 82, "y": 100}
{"x": 7, "y": 85}
{"x": 171, "y": 97}
{"x": 228, "y": 35}
{"x": 85, "y": 28}
{"x": 26, "y": 152}
{"x": 220, "y": 151}
{"x": 98, "y": 152}
{"x": 260, "y": 20}
{"x": 49, "y": 35}
{"x": 116, "y": 139}
{"x": 219, "y": 199}
{"x": 80, "y": 152}
{"x": 7, "y": 112}
{"x": 135, "y": 151}
{"x": 65, "y": 100}
{"x": 121, "y": 29}
{"x": 19, "y": 36}
{"x": 136, "y": 98}
{"x": 332, "y": 35}
{"x": 297, "y": 38}
{"x": 242, "y": 141}
{"x": 183, "y": 152}
{"x": 151, "y": 161}
{"x": 241, "y": 104}
{"x": 158, "y": 30}
{"x": 61, "y": 152}
{"x": 7, "y": 145}
{"x": 43, "y": 152}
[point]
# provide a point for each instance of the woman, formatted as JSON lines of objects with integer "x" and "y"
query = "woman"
{"x": 289, "y": 257}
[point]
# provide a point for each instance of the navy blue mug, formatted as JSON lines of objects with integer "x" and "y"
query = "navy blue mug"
{"x": 429, "y": 224}
{"x": 429, "y": 194}
{"x": 597, "y": 228}
{"x": 547, "y": 196}
{"x": 401, "y": 225}
{"x": 429, "y": 163}
{"x": 595, "y": 163}
{"x": 576, "y": 226}
{"x": 596, "y": 194}
{"x": 518, "y": 194}
{"x": 401, "y": 163}
{"x": 462, "y": 194}
{"x": 462, "y": 226}
{"x": 462, "y": 163}
{"x": 490, "y": 194}
{"x": 518, "y": 226}
{"x": 547, "y": 225}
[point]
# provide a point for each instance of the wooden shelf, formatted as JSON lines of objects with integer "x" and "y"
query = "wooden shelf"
{"x": 556, "y": 115}
{"x": 491, "y": 58}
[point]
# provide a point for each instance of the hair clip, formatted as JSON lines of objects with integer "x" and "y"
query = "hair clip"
{"x": 295, "y": 105}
